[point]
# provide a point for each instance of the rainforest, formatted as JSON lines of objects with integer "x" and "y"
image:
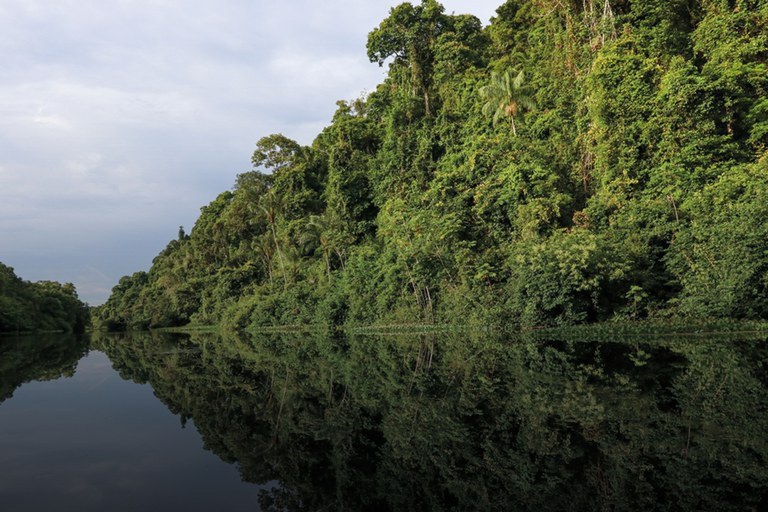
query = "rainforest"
{"x": 528, "y": 271}
{"x": 574, "y": 161}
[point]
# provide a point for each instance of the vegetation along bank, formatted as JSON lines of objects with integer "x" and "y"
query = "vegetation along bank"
{"x": 571, "y": 162}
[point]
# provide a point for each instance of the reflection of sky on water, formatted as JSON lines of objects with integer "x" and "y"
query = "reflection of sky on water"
{"x": 94, "y": 441}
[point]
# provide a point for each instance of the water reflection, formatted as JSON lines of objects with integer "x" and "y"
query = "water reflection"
{"x": 91, "y": 441}
{"x": 37, "y": 357}
{"x": 438, "y": 422}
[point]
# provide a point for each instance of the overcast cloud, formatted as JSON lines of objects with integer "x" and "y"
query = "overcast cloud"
{"x": 119, "y": 119}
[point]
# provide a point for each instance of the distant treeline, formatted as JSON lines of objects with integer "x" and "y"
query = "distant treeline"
{"x": 573, "y": 161}
{"x": 41, "y": 306}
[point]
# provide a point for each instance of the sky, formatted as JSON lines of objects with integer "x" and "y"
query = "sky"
{"x": 120, "y": 119}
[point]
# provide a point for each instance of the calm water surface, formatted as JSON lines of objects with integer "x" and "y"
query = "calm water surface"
{"x": 86, "y": 439}
{"x": 580, "y": 421}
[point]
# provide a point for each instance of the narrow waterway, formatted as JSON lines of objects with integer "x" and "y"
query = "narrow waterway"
{"x": 426, "y": 422}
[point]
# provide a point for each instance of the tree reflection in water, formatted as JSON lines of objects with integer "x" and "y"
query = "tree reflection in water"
{"x": 37, "y": 357}
{"x": 471, "y": 422}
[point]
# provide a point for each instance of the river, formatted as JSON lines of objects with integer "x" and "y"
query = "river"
{"x": 438, "y": 421}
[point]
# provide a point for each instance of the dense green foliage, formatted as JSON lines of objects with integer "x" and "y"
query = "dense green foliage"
{"x": 573, "y": 161}
{"x": 467, "y": 423}
{"x": 41, "y": 306}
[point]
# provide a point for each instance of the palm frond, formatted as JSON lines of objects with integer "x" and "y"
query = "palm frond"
{"x": 506, "y": 95}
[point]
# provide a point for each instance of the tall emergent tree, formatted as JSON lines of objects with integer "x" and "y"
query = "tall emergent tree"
{"x": 409, "y": 36}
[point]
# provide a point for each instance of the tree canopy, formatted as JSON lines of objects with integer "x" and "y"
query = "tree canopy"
{"x": 41, "y": 306}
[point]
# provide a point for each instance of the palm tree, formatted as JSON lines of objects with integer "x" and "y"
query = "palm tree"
{"x": 506, "y": 96}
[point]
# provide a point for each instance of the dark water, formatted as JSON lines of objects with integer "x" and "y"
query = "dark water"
{"x": 74, "y": 435}
{"x": 420, "y": 422}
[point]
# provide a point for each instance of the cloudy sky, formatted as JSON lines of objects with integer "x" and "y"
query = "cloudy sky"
{"x": 119, "y": 119}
